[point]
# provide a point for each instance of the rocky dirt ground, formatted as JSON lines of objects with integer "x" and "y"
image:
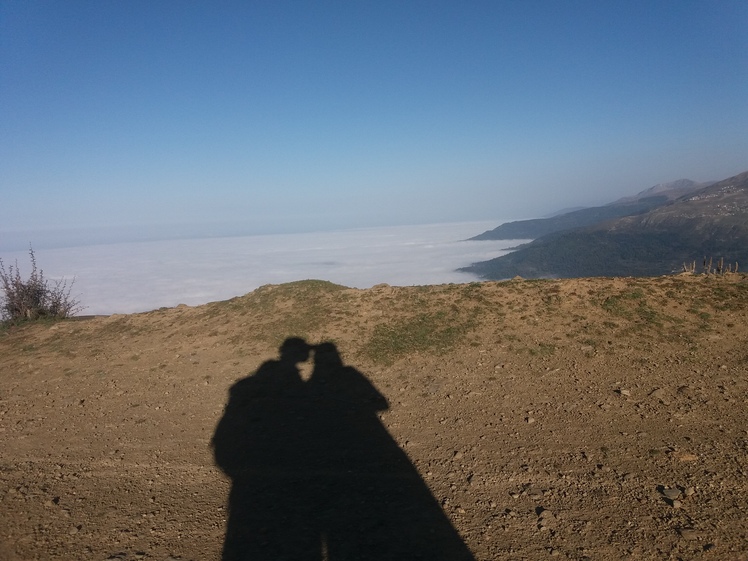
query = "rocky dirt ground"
{"x": 569, "y": 419}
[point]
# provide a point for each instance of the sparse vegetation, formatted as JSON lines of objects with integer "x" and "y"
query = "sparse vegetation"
{"x": 719, "y": 269}
{"x": 35, "y": 297}
{"x": 427, "y": 332}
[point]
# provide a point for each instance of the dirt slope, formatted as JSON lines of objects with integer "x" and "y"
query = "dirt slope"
{"x": 575, "y": 419}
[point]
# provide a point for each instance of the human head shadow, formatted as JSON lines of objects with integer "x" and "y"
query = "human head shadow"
{"x": 315, "y": 474}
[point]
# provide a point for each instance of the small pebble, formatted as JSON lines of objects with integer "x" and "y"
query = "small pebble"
{"x": 546, "y": 516}
{"x": 671, "y": 494}
{"x": 689, "y": 534}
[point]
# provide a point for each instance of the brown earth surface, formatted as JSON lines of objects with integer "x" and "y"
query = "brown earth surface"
{"x": 569, "y": 419}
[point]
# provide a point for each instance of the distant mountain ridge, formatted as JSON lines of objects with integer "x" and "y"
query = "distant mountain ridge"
{"x": 710, "y": 221}
{"x": 671, "y": 189}
{"x": 565, "y": 211}
{"x": 642, "y": 202}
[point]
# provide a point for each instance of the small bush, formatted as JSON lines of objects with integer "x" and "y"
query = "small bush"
{"x": 35, "y": 297}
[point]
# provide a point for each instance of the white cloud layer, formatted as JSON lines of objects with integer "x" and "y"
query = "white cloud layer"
{"x": 142, "y": 276}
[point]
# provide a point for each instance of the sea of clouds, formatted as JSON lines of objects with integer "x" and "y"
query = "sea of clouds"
{"x": 142, "y": 276}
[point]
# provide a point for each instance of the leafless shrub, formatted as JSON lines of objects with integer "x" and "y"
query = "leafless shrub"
{"x": 34, "y": 297}
{"x": 690, "y": 267}
{"x": 720, "y": 269}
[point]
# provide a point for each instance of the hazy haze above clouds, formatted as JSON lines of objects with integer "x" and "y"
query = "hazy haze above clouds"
{"x": 142, "y": 276}
{"x": 170, "y": 117}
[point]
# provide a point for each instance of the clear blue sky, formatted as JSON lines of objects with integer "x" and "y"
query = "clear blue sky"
{"x": 316, "y": 115}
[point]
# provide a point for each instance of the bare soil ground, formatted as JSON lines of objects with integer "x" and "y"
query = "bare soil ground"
{"x": 574, "y": 419}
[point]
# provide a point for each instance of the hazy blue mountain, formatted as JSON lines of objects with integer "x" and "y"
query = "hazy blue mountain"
{"x": 642, "y": 202}
{"x": 709, "y": 222}
{"x": 565, "y": 211}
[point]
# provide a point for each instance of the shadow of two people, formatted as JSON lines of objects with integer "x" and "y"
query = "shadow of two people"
{"x": 315, "y": 475}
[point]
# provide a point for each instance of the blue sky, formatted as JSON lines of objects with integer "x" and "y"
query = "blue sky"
{"x": 292, "y": 116}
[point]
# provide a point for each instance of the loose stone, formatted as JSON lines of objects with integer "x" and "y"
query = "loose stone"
{"x": 689, "y": 534}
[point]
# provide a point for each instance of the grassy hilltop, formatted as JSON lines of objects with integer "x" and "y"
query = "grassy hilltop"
{"x": 584, "y": 418}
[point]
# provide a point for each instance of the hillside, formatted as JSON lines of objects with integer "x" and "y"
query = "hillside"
{"x": 642, "y": 202}
{"x": 580, "y": 419}
{"x": 711, "y": 222}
